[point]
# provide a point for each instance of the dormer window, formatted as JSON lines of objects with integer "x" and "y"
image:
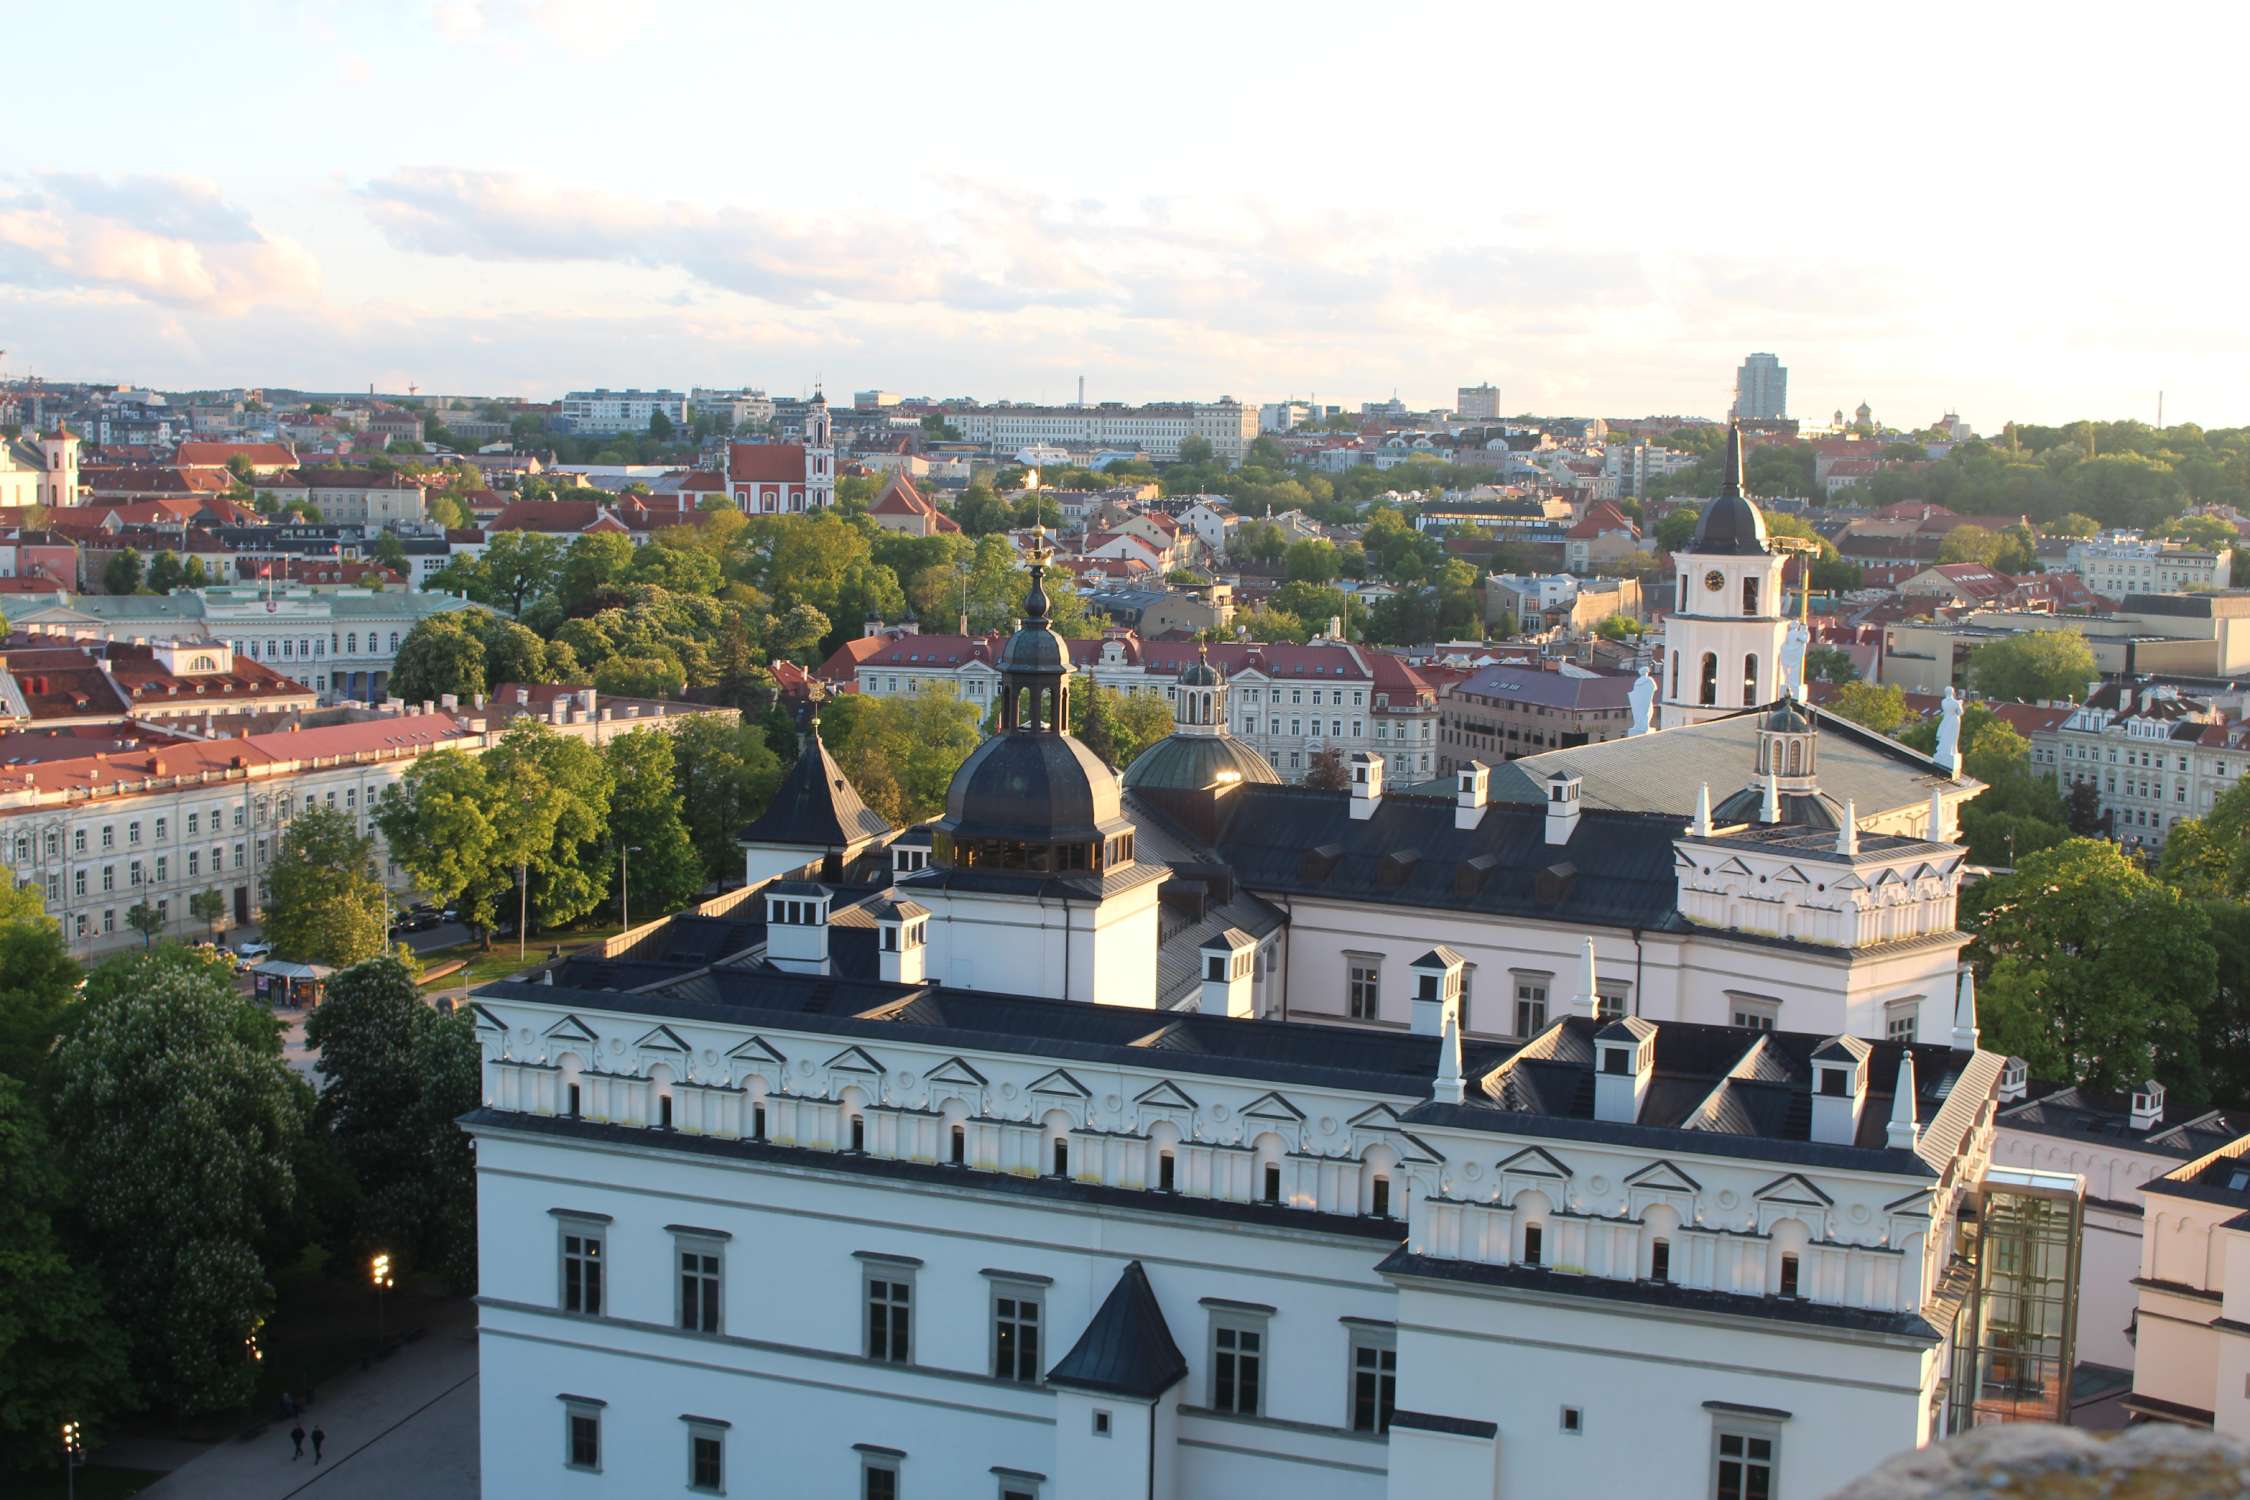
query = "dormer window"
{"x": 1835, "y": 1082}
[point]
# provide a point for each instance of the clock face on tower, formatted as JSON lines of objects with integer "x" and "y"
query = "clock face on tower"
{"x": 1714, "y": 580}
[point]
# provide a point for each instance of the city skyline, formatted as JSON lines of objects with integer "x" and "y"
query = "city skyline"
{"x": 1003, "y": 238}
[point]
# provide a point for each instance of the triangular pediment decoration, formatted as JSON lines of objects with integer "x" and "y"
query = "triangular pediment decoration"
{"x": 1377, "y": 1117}
{"x": 1271, "y": 1106}
{"x": 573, "y": 1029}
{"x": 664, "y": 1039}
{"x": 1791, "y": 875}
{"x": 1734, "y": 866}
{"x": 1925, "y": 872}
{"x": 1890, "y": 877}
{"x": 1915, "y": 1204}
{"x": 485, "y": 1018}
{"x": 757, "y": 1048}
{"x": 1535, "y": 1161}
{"x": 1166, "y": 1095}
{"x": 854, "y": 1060}
{"x": 1428, "y": 1151}
{"x": 1680, "y": 860}
{"x": 1791, "y": 1187}
{"x": 1060, "y": 1082}
{"x": 1662, "y": 1176}
{"x": 953, "y": 1070}
{"x": 1851, "y": 883}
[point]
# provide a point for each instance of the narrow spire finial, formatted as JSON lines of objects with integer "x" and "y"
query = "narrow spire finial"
{"x": 1770, "y": 810}
{"x": 1701, "y": 828}
{"x": 1589, "y": 994}
{"x": 1449, "y": 1088}
{"x": 1904, "y": 1132}
{"x": 1937, "y": 815}
{"x": 1730, "y": 476}
{"x": 1847, "y": 832}
{"x": 1965, "y": 1030}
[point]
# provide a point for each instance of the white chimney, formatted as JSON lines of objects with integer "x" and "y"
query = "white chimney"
{"x": 902, "y": 931}
{"x": 1701, "y": 827}
{"x": 1965, "y": 1011}
{"x": 2148, "y": 1105}
{"x": 1229, "y": 961}
{"x": 1437, "y": 989}
{"x": 1904, "y": 1132}
{"x": 1839, "y": 1089}
{"x": 1475, "y": 792}
{"x": 1367, "y": 784}
{"x": 797, "y": 926}
{"x": 1847, "y": 832}
{"x": 1937, "y": 816}
{"x": 1624, "y": 1065}
{"x": 1562, "y": 807}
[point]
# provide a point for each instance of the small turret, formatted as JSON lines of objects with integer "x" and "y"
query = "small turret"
{"x": 1904, "y": 1132}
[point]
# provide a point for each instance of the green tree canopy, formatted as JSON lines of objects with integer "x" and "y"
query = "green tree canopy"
{"x": 38, "y": 981}
{"x": 725, "y": 774}
{"x": 665, "y": 870}
{"x": 122, "y": 573}
{"x": 438, "y": 822}
{"x": 1969, "y": 544}
{"x": 1879, "y": 706}
{"x": 2092, "y": 970}
{"x": 900, "y": 753}
{"x": 325, "y": 905}
{"x": 549, "y": 800}
{"x": 171, "y": 1095}
{"x": 442, "y": 654}
{"x": 2034, "y": 665}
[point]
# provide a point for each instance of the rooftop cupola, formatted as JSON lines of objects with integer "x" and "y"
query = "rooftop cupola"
{"x": 1839, "y": 1089}
{"x": 1624, "y": 1066}
{"x": 1437, "y": 989}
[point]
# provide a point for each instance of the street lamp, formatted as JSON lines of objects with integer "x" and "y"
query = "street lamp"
{"x": 624, "y": 889}
{"x": 74, "y": 1455}
{"x": 380, "y": 1272}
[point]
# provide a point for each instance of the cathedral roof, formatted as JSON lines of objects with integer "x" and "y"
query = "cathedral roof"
{"x": 1127, "y": 1348}
{"x": 815, "y": 807}
{"x": 1731, "y": 525}
{"x": 1034, "y": 787}
{"x": 1188, "y": 762}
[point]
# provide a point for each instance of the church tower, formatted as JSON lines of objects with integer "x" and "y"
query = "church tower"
{"x": 1722, "y": 643}
{"x": 58, "y": 487}
{"x": 820, "y": 456}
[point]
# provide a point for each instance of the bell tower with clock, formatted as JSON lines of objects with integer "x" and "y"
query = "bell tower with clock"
{"x": 1722, "y": 643}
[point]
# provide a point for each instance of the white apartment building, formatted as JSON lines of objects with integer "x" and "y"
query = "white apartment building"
{"x": 2194, "y": 1314}
{"x": 2121, "y": 563}
{"x": 822, "y": 1216}
{"x": 1761, "y": 390}
{"x": 742, "y": 410}
{"x": 1477, "y": 403}
{"x": 1290, "y": 703}
{"x": 354, "y": 497}
{"x": 606, "y": 413}
{"x": 1157, "y": 430}
{"x": 2155, "y": 755}
{"x": 341, "y": 642}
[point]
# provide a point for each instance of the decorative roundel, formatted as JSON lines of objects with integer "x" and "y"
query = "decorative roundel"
{"x": 710, "y": 1054}
{"x": 523, "y": 1033}
{"x": 805, "y": 1066}
{"x": 1473, "y": 1170}
{"x": 1714, "y": 580}
{"x": 1859, "y": 1213}
{"x": 1111, "y": 1102}
{"x": 1597, "y": 1185}
{"x": 617, "y": 1044}
{"x": 1727, "y": 1198}
{"x": 906, "y": 1080}
{"x": 1221, "y": 1112}
{"x": 1007, "y": 1091}
{"x": 1327, "y": 1124}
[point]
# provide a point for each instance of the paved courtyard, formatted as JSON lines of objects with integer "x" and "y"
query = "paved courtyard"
{"x": 408, "y": 1427}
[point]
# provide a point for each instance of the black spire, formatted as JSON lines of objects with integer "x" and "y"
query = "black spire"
{"x": 1730, "y": 525}
{"x": 1034, "y": 664}
{"x": 1730, "y": 475}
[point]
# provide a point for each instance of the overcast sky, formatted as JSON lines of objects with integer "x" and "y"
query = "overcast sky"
{"x": 2000, "y": 209}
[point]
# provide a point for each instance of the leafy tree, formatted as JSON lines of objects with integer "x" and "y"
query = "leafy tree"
{"x": 1879, "y": 706}
{"x": 660, "y": 426}
{"x": 724, "y": 774}
{"x": 1677, "y": 528}
{"x": 646, "y": 813}
{"x": 438, "y": 821}
{"x": 1830, "y": 664}
{"x": 1969, "y": 544}
{"x": 549, "y": 806}
{"x": 1118, "y": 726}
{"x": 145, "y": 920}
{"x": 165, "y": 573}
{"x": 443, "y": 654}
{"x": 798, "y": 634}
{"x": 2209, "y": 857}
{"x": 1619, "y": 628}
{"x": 2072, "y": 524}
{"x": 122, "y": 574}
{"x": 2208, "y": 532}
{"x": 595, "y": 561}
{"x": 980, "y": 512}
{"x": 900, "y": 753}
{"x": 391, "y": 553}
{"x": 1327, "y": 772}
{"x": 209, "y": 907}
{"x": 2082, "y": 810}
{"x": 2223, "y": 1026}
{"x": 519, "y": 568}
{"x": 512, "y": 653}
{"x": 640, "y": 677}
{"x": 2034, "y": 665}
{"x": 1195, "y": 451}
{"x": 38, "y": 982}
{"x": 171, "y": 1094}
{"x": 2093, "y": 970}
{"x": 325, "y": 906}
{"x": 2019, "y": 550}
{"x": 1312, "y": 561}
{"x": 1406, "y": 617}
{"x": 393, "y": 1073}
{"x": 62, "y": 1354}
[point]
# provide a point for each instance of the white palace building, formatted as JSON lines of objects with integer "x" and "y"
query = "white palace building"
{"x": 1614, "y": 1126}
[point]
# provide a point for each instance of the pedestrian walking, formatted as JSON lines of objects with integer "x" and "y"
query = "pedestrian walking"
{"x": 319, "y": 1437}
{"x": 297, "y": 1436}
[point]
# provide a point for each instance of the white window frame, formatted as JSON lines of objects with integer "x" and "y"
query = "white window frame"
{"x": 1750, "y": 1425}
{"x": 706, "y": 1429}
{"x": 1231, "y": 1322}
{"x": 589, "y": 1229}
{"x": 1761, "y": 1012}
{"x": 575, "y": 1408}
{"x": 1022, "y": 1290}
{"x": 892, "y": 1271}
{"x": 1376, "y": 1340}
{"x": 708, "y": 1244}
{"x": 1363, "y": 971}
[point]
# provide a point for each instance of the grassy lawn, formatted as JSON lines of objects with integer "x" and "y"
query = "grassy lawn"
{"x": 501, "y": 962}
{"x": 93, "y": 1484}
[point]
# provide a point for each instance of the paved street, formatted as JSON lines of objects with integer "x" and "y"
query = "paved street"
{"x": 408, "y": 1427}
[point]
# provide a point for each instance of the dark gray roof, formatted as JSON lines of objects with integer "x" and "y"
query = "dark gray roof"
{"x": 815, "y": 807}
{"x": 1034, "y": 786}
{"x": 1659, "y": 772}
{"x": 1193, "y": 761}
{"x": 1730, "y": 526}
{"x": 1127, "y": 1348}
{"x": 2084, "y": 1113}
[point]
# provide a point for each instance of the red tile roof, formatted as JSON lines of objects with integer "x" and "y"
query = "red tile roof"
{"x": 101, "y": 773}
{"x": 216, "y": 455}
{"x": 766, "y": 463}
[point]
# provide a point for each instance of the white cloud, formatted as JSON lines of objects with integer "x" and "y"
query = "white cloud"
{"x": 170, "y": 241}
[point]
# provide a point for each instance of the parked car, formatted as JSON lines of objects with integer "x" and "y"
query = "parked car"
{"x": 252, "y": 952}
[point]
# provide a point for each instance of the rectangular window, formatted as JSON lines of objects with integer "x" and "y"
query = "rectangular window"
{"x": 1272, "y": 1183}
{"x": 1366, "y": 993}
{"x": 582, "y": 1268}
{"x": 1238, "y": 1357}
{"x": 878, "y": 1478}
{"x": 1165, "y": 1169}
{"x": 1534, "y": 1245}
{"x": 1743, "y": 1463}
{"x": 1016, "y": 1315}
{"x": 699, "y": 1284}
{"x": 582, "y": 1435}
{"x": 1901, "y": 1020}
{"x": 1374, "y": 1380}
{"x": 706, "y": 1457}
{"x": 890, "y": 1316}
{"x": 1660, "y": 1261}
{"x": 1755, "y": 1012}
{"x": 1611, "y": 994}
{"x": 1788, "y": 1275}
{"x": 1531, "y": 1005}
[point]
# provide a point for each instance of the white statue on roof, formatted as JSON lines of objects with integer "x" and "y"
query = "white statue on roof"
{"x": 1948, "y": 752}
{"x": 1642, "y": 697}
{"x": 1793, "y": 646}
